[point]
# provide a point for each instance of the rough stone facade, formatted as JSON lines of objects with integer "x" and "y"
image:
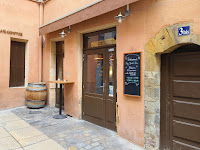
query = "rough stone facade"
{"x": 165, "y": 41}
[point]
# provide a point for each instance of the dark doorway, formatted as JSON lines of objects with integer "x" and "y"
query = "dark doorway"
{"x": 99, "y": 79}
{"x": 180, "y": 99}
{"x": 59, "y": 69}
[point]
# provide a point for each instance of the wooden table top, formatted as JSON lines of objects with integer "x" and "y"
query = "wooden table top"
{"x": 61, "y": 82}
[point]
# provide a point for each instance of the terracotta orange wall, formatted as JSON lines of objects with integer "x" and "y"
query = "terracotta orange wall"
{"x": 130, "y": 38}
{"x": 57, "y": 8}
{"x": 131, "y": 125}
{"x": 167, "y": 12}
{"x": 19, "y": 16}
{"x": 146, "y": 19}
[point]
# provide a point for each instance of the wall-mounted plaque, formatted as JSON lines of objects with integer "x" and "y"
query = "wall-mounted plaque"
{"x": 184, "y": 31}
{"x": 132, "y": 74}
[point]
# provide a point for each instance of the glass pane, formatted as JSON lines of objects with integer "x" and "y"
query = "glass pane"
{"x": 111, "y": 75}
{"x": 102, "y": 39}
{"x": 94, "y": 79}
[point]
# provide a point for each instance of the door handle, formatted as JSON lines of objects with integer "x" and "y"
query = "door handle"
{"x": 103, "y": 87}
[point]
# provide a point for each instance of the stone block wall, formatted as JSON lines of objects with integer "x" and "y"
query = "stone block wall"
{"x": 152, "y": 108}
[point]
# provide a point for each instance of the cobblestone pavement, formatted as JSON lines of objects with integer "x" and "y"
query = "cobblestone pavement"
{"x": 36, "y": 129}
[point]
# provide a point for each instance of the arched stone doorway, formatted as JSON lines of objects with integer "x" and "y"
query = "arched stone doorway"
{"x": 166, "y": 41}
{"x": 179, "y": 101}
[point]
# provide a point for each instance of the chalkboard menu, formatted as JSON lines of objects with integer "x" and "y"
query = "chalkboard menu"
{"x": 132, "y": 74}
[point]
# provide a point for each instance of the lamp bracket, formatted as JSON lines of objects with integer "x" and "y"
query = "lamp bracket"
{"x": 127, "y": 12}
{"x": 69, "y": 30}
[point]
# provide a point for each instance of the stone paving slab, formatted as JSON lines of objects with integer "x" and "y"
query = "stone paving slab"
{"x": 3, "y": 133}
{"x": 8, "y": 117}
{"x": 8, "y": 143}
{"x": 24, "y": 133}
{"x": 36, "y": 129}
{"x": 45, "y": 145}
{"x": 14, "y": 125}
{"x": 33, "y": 140}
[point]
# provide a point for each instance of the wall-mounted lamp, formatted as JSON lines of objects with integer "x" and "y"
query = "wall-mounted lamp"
{"x": 63, "y": 34}
{"x": 120, "y": 17}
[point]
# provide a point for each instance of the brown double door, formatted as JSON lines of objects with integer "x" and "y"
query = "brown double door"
{"x": 99, "y": 87}
{"x": 180, "y": 99}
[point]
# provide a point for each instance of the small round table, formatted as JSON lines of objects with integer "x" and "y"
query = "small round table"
{"x": 61, "y": 82}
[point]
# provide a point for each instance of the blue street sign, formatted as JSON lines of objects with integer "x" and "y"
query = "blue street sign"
{"x": 184, "y": 31}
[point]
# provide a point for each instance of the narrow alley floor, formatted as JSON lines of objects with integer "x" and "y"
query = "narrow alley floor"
{"x": 36, "y": 129}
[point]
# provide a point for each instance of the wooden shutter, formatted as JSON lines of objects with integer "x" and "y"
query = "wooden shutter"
{"x": 17, "y": 64}
{"x": 12, "y": 64}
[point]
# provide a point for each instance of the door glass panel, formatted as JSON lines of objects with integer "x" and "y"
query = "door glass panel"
{"x": 111, "y": 75}
{"x": 94, "y": 74}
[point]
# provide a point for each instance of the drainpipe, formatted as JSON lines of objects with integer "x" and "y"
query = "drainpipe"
{"x": 41, "y": 3}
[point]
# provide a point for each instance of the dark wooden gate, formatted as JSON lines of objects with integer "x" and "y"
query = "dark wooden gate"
{"x": 180, "y": 99}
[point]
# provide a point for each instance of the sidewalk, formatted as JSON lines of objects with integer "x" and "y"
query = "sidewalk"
{"x": 31, "y": 129}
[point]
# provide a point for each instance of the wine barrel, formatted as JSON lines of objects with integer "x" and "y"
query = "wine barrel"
{"x": 36, "y": 95}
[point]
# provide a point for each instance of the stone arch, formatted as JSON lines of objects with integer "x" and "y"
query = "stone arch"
{"x": 166, "y": 41}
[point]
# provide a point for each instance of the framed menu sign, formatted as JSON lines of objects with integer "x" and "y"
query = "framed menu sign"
{"x": 132, "y": 74}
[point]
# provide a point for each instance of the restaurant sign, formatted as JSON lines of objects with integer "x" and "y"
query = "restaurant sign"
{"x": 184, "y": 31}
{"x": 103, "y": 42}
{"x": 3, "y": 31}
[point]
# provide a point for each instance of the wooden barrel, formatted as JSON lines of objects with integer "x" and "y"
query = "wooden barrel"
{"x": 36, "y": 95}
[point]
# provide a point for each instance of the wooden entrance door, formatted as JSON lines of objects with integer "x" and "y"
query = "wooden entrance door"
{"x": 99, "y": 87}
{"x": 180, "y": 99}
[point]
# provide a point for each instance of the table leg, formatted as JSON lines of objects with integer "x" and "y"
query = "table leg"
{"x": 60, "y": 102}
{"x": 60, "y": 116}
